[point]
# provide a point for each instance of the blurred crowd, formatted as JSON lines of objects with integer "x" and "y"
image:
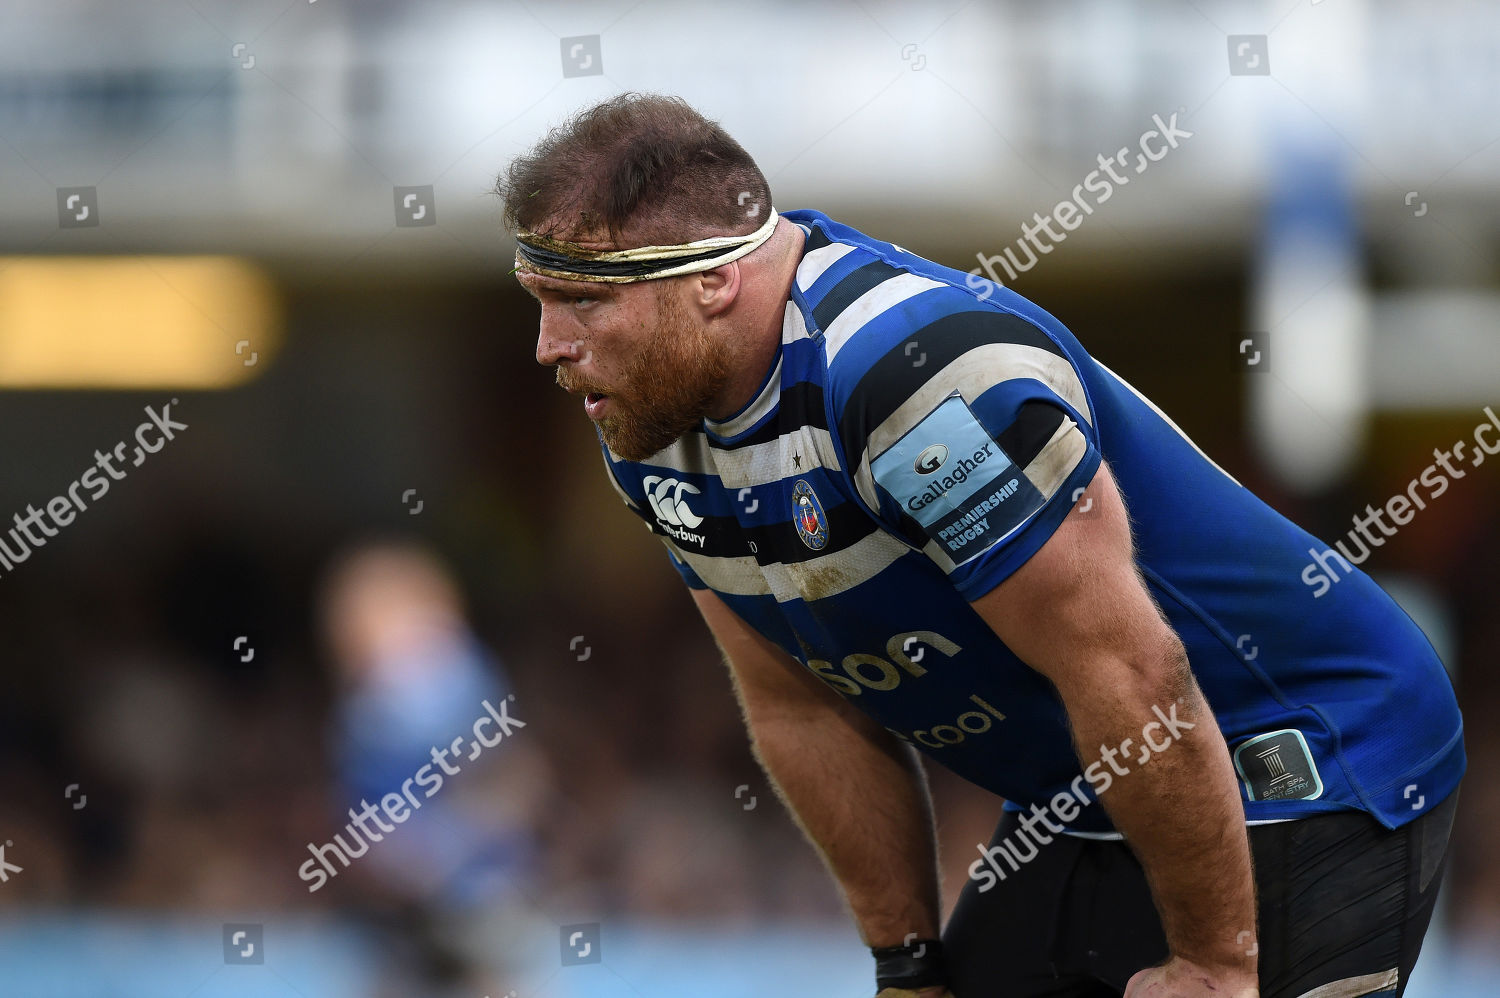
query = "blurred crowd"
{"x": 152, "y": 761}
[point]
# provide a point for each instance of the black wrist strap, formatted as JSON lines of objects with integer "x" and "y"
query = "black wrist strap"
{"x": 918, "y": 964}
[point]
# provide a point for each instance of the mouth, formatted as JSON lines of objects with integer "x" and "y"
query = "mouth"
{"x": 595, "y": 404}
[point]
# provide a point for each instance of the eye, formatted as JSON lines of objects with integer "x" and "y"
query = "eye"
{"x": 582, "y": 301}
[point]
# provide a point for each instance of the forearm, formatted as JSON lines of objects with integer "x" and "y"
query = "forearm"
{"x": 857, "y": 792}
{"x": 860, "y": 797}
{"x": 1180, "y": 811}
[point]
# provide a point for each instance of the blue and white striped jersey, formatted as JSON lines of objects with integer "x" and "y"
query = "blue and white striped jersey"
{"x": 917, "y": 439}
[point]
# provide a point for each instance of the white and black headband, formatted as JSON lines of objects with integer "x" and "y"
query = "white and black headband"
{"x": 570, "y": 261}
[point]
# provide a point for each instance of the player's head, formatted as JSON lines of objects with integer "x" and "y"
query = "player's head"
{"x": 641, "y": 228}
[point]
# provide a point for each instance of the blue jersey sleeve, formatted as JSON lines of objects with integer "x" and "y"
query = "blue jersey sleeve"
{"x": 974, "y": 444}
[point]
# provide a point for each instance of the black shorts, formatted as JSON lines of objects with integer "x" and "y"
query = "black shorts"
{"x": 1340, "y": 898}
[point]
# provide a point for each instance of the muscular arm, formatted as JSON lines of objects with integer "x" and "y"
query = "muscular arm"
{"x": 1078, "y": 612}
{"x": 857, "y": 792}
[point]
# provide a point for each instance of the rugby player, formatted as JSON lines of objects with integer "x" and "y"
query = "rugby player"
{"x": 917, "y": 515}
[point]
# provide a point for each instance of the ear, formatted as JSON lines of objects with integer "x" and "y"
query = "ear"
{"x": 714, "y": 291}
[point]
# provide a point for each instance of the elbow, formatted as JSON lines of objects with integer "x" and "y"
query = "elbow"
{"x": 1156, "y": 672}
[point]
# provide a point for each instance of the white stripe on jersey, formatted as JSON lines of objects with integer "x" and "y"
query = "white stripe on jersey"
{"x": 892, "y": 291}
{"x": 1057, "y": 459}
{"x": 740, "y": 576}
{"x": 793, "y": 326}
{"x": 815, "y": 263}
{"x": 762, "y": 464}
{"x": 831, "y": 573}
{"x": 828, "y": 574}
{"x": 770, "y": 395}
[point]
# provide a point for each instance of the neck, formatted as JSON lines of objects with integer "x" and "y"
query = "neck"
{"x": 760, "y": 334}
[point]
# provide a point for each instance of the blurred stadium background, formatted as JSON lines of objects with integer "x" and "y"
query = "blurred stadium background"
{"x": 273, "y": 216}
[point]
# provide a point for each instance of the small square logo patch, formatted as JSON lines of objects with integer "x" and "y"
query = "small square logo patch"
{"x": 581, "y": 56}
{"x": 415, "y": 206}
{"x": 77, "y": 207}
{"x": 1248, "y": 56}
{"x": 580, "y": 944}
{"x": 244, "y": 942}
{"x": 1253, "y": 352}
{"x": 1278, "y": 766}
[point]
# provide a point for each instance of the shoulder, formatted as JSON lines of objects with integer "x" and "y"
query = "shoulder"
{"x": 898, "y": 341}
{"x": 904, "y": 340}
{"x": 887, "y": 320}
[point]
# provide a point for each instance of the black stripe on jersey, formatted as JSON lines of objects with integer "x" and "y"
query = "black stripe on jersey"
{"x": 801, "y": 404}
{"x": 852, "y": 286}
{"x": 816, "y": 239}
{"x": 911, "y": 531}
{"x": 893, "y": 379}
{"x": 846, "y": 522}
{"x": 1035, "y": 423}
{"x": 722, "y": 536}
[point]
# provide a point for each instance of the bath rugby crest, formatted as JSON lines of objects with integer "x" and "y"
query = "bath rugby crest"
{"x": 808, "y": 515}
{"x": 919, "y": 436}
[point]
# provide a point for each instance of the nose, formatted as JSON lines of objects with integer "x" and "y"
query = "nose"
{"x": 552, "y": 348}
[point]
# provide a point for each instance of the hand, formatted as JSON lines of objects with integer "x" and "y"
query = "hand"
{"x": 1179, "y": 978}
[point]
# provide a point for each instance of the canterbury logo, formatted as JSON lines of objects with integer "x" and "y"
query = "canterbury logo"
{"x": 665, "y": 497}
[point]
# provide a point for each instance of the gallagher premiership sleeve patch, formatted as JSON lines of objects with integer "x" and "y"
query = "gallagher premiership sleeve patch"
{"x": 950, "y": 476}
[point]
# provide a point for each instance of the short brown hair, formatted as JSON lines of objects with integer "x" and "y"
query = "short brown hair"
{"x": 645, "y": 163}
